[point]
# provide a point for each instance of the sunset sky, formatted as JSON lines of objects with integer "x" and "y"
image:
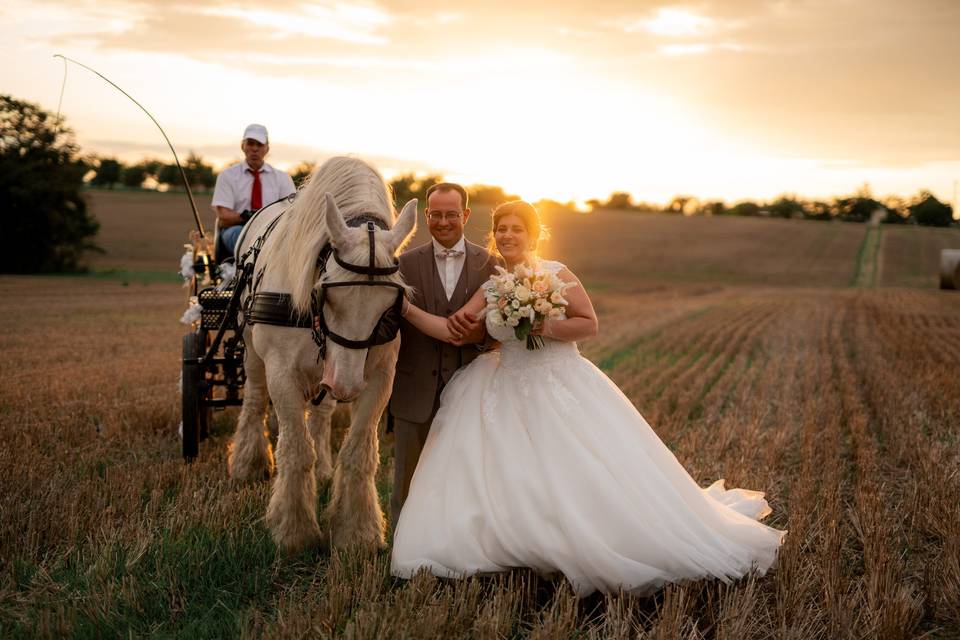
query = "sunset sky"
{"x": 719, "y": 99}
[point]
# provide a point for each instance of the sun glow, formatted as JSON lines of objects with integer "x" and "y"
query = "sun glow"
{"x": 548, "y": 127}
{"x": 673, "y": 22}
{"x": 565, "y": 104}
{"x": 350, "y": 23}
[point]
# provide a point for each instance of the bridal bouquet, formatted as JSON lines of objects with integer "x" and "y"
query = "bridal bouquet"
{"x": 523, "y": 298}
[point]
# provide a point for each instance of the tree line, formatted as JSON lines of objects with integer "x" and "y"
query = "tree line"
{"x": 110, "y": 172}
{"x": 44, "y": 214}
{"x": 923, "y": 208}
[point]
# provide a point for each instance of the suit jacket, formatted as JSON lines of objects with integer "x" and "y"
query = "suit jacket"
{"x": 424, "y": 363}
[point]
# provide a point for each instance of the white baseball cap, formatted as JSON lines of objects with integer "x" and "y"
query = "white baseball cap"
{"x": 256, "y": 132}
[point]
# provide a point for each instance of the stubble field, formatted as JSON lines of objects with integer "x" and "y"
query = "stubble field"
{"x": 744, "y": 342}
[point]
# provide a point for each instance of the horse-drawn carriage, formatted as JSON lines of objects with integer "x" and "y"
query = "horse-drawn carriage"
{"x": 337, "y": 248}
{"x": 313, "y": 306}
{"x": 212, "y": 374}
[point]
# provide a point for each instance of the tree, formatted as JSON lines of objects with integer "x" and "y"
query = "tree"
{"x": 818, "y": 210}
{"x": 108, "y": 173}
{"x": 687, "y": 205}
{"x": 745, "y": 208}
{"x": 859, "y": 208}
{"x": 43, "y": 213}
{"x": 713, "y": 208}
{"x": 549, "y": 207}
{"x": 301, "y": 172}
{"x": 489, "y": 194}
{"x": 198, "y": 172}
{"x": 619, "y": 200}
{"x": 786, "y": 207}
{"x": 927, "y": 210}
{"x": 408, "y": 185}
{"x": 134, "y": 175}
{"x": 169, "y": 175}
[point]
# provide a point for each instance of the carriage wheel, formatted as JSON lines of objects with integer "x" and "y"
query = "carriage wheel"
{"x": 204, "y": 340}
{"x": 194, "y": 390}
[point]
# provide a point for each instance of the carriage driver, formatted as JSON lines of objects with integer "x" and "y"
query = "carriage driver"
{"x": 246, "y": 187}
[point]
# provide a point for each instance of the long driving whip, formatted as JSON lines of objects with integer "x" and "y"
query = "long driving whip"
{"x": 183, "y": 174}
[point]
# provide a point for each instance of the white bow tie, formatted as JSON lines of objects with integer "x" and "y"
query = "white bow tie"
{"x": 449, "y": 253}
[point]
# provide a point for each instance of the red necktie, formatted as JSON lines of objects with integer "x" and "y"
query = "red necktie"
{"x": 256, "y": 196}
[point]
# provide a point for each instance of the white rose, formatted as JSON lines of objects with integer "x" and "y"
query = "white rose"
{"x": 526, "y": 311}
{"x": 522, "y": 293}
{"x": 515, "y": 304}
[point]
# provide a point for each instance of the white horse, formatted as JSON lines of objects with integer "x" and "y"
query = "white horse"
{"x": 285, "y": 360}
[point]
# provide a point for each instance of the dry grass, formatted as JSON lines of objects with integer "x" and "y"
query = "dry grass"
{"x": 911, "y": 255}
{"x": 842, "y": 404}
{"x": 144, "y": 231}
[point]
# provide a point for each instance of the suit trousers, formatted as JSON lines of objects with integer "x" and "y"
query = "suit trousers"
{"x": 408, "y": 441}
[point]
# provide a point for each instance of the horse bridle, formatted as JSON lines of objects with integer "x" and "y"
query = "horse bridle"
{"x": 389, "y": 323}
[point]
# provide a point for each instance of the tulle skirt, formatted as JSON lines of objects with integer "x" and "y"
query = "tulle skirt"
{"x": 536, "y": 459}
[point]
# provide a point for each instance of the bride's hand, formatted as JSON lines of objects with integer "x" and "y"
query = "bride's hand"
{"x": 541, "y": 328}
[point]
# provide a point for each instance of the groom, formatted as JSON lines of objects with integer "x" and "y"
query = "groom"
{"x": 444, "y": 273}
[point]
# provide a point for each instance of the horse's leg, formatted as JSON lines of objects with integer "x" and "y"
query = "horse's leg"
{"x": 319, "y": 418}
{"x": 251, "y": 456}
{"x": 354, "y": 514}
{"x": 292, "y": 513}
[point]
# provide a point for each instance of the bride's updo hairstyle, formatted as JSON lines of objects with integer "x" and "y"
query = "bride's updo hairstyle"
{"x": 527, "y": 213}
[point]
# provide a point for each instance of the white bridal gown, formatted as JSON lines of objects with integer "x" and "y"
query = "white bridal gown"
{"x": 536, "y": 459}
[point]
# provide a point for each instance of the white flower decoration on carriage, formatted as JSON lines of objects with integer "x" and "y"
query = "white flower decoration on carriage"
{"x": 193, "y": 312}
{"x": 227, "y": 271}
{"x": 186, "y": 263}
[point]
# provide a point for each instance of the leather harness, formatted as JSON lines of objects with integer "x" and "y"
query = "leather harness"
{"x": 268, "y": 307}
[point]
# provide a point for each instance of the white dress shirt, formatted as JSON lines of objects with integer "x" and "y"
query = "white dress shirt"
{"x": 449, "y": 263}
{"x": 235, "y": 184}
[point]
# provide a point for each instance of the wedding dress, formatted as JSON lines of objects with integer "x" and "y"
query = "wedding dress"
{"x": 536, "y": 459}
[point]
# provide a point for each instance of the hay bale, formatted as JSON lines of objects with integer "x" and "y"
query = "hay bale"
{"x": 950, "y": 269}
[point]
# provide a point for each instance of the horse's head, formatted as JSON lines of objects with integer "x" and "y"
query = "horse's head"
{"x": 351, "y": 309}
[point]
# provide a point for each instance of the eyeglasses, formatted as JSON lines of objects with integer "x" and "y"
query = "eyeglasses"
{"x": 445, "y": 216}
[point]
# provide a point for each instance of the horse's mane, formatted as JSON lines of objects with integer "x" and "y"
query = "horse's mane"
{"x": 291, "y": 253}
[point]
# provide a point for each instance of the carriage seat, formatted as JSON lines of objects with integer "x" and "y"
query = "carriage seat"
{"x": 220, "y": 251}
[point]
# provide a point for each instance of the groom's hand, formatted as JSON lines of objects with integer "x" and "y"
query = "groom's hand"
{"x": 465, "y": 327}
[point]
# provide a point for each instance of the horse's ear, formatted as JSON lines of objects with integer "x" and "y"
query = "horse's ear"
{"x": 406, "y": 224}
{"x": 335, "y": 222}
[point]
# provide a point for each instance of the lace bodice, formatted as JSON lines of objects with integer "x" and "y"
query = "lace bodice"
{"x": 514, "y": 353}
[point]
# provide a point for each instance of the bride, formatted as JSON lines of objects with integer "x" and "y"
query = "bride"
{"x": 536, "y": 459}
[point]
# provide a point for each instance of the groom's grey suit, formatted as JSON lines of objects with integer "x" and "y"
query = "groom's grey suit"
{"x": 425, "y": 364}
